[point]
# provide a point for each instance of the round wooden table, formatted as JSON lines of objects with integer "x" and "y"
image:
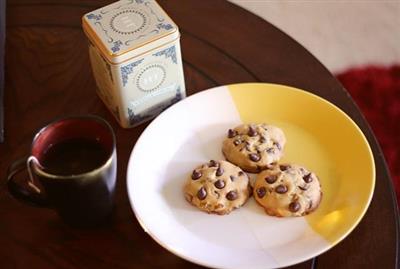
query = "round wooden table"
{"x": 48, "y": 76}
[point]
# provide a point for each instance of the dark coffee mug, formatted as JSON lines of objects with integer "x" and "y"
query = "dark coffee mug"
{"x": 72, "y": 169}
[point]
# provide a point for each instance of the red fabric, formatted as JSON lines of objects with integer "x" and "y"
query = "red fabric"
{"x": 376, "y": 90}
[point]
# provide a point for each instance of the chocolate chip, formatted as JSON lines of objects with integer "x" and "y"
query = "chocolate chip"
{"x": 294, "y": 206}
{"x": 202, "y": 193}
{"x": 231, "y": 133}
{"x": 261, "y": 192}
{"x": 237, "y": 142}
{"x": 263, "y": 139}
{"x": 213, "y": 163}
{"x": 284, "y": 167}
{"x": 271, "y": 150}
{"x": 303, "y": 188}
{"x": 307, "y": 178}
{"x": 278, "y": 146}
{"x": 252, "y": 131}
{"x": 254, "y": 157}
{"x": 196, "y": 175}
{"x": 241, "y": 173}
{"x": 310, "y": 205}
{"x": 232, "y": 195}
{"x": 232, "y": 178}
{"x": 219, "y": 184}
{"x": 281, "y": 189}
{"x": 271, "y": 179}
{"x": 219, "y": 172}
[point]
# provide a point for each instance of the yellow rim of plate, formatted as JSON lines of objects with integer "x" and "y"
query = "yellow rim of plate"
{"x": 256, "y": 101}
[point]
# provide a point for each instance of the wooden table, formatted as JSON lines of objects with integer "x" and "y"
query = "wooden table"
{"x": 48, "y": 76}
{"x": 2, "y": 44}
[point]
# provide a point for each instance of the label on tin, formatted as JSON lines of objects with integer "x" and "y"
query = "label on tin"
{"x": 152, "y": 83}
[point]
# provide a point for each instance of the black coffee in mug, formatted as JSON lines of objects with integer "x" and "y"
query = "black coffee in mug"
{"x": 72, "y": 168}
{"x": 74, "y": 156}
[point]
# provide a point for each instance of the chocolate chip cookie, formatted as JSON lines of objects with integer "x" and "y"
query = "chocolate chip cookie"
{"x": 288, "y": 190}
{"x": 253, "y": 147}
{"x": 217, "y": 187}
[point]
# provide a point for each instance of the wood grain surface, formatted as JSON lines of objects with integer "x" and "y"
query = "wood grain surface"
{"x": 2, "y": 45}
{"x": 48, "y": 76}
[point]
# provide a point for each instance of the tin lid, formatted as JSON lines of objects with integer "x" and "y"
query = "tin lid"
{"x": 128, "y": 28}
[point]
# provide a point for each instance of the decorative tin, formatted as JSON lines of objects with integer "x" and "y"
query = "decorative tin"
{"x": 136, "y": 59}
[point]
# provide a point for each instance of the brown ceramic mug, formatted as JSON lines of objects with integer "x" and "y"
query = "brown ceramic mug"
{"x": 72, "y": 169}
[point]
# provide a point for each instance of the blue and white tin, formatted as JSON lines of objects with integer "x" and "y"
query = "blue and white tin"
{"x": 136, "y": 59}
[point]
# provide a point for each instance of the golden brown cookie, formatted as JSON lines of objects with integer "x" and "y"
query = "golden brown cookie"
{"x": 253, "y": 147}
{"x": 288, "y": 190}
{"x": 217, "y": 187}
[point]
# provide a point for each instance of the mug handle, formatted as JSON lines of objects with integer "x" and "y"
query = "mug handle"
{"x": 32, "y": 195}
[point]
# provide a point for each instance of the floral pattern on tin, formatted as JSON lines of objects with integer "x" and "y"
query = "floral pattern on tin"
{"x": 128, "y": 69}
{"x": 93, "y": 16}
{"x": 116, "y": 46}
{"x": 168, "y": 53}
{"x": 165, "y": 26}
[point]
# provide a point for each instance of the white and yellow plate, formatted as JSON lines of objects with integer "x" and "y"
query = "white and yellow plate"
{"x": 319, "y": 136}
